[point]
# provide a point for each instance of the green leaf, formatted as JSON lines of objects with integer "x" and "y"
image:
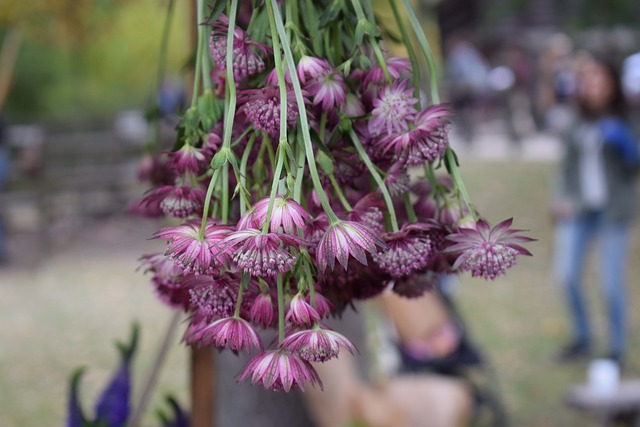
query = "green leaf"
{"x": 216, "y": 10}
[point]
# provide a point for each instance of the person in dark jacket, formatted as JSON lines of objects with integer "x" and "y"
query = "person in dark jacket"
{"x": 596, "y": 198}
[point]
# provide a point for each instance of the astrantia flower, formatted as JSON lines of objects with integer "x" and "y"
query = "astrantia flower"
{"x": 179, "y": 202}
{"x": 324, "y": 307}
{"x": 286, "y": 213}
{"x": 262, "y": 108}
{"x": 310, "y": 67}
{"x": 168, "y": 280}
{"x": 192, "y": 252}
{"x": 262, "y": 310}
{"x": 188, "y": 159}
{"x": 426, "y": 141}
{"x": 352, "y": 106}
{"x": 231, "y": 333}
{"x": 345, "y": 239}
{"x": 487, "y": 252}
{"x": 301, "y": 313}
{"x": 367, "y": 211}
{"x": 328, "y": 90}
{"x": 260, "y": 254}
{"x": 392, "y": 110}
{"x": 280, "y": 370}
{"x": 396, "y": 66}
{"x": 408, "y": 251}
{"x": 247, "y": 53}
{"x": 317, "y": 345}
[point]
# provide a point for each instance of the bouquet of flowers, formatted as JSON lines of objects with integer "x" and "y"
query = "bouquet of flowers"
{"x": 304, "y": 177}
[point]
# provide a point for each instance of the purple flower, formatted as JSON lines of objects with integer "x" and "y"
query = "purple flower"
{"x": 353, "y": 106}
{"x": 345, "y": 239}
{"x": 262, "y": 108}
{"x": 425, "y": 141}
{"x": 301, "y": 313}
{"x": 324, "y": 307}
{"x": 367, "y": 211}
{"x": 392, "y": 110}
{"x": 168, "y": 280}
{"x": 178, "y": 202}
{"x": 260, "y": 254}
{"x": 328, "y": 90}
{"x": 286, "y": 213}
{"x": 261, "y": 311}
{"x": 317, "y": 345}
{"x": 280, "y": 370}
{"x": 231, "y": 333}
{"x": 487, "y": 252}
{"x": 247, "y": 53}
{"x": 409, "y": 251}
{"x": 192, "y": 252}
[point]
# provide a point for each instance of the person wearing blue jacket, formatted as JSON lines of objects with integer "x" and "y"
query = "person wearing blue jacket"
{"x": 596, "y": 198}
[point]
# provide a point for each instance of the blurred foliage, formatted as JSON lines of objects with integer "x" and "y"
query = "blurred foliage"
{"x": 86, "y": 59}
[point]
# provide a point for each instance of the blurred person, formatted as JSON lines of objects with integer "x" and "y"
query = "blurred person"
{"x": 596, "y": 197}
{"x": 466, "y": 74}
{"x": 4, "y": 175}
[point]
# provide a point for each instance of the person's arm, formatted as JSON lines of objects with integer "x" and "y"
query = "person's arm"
{"x": 616, "y": 133}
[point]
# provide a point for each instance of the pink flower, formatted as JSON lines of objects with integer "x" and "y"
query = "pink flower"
{"x": 409, "y": 251}
{"x": 328, "y": 90}
{"x": 231, "y": 333}
{"x": 247, "y": 54}
{"x": 179, "y": 202}
{"x": 191, "y": 251}
{"x": 317, "y": 345}
{"x": 392, "y": 110}
{"x": 168, "y": 280}
{"x": 260, "y": 254}
{"x": 395, "y": 66}
{"x": 262, "y": 108}
{"x": 286, "y": 213}
{"x": 301, "y": 313}
{"x": 425, "y": 141}
{"x": 352, "y": 106}
{"x": 345, "y": 239}
{"x": 487, "y": 252}
{"x": 187, "y": 159}
{"x": 280, "y": 370}
{"x": 324, "y": 307}
{"x": 310, "y": 68}
{"x": 262, "y": 311}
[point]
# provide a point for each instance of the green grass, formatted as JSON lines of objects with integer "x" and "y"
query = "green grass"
{"x": 69, "y": 312}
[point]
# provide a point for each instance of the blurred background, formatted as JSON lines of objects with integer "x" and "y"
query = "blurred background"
{"x": 76, "y": 80}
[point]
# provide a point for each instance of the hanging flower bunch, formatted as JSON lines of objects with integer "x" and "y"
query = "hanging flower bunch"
{"x": 304, "y": 177}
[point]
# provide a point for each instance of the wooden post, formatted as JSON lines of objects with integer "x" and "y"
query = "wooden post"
{"x": 202, "y": 387}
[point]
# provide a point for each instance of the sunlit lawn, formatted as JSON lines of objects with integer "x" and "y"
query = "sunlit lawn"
{"x": 68, "y": 312}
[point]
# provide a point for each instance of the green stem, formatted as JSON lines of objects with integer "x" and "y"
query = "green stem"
{"x": 202, "y": 41}
{"x": 339, "y": 193}
{"x": 300, "y": 161}
{"x": 207, "y": 202}
{"x": 243, "y": 284}
{"x": 374, "y": 42}
{"x": 415, "y": 67}
{"x": 376, "y": 176}
{"x": 230, "y": 109}
{"x": 426, "y": 50}
{"x": 303, "y": 121}
{"x": 411, "y": 213}
{"x": 459, "y": 183}
{"x": 225, "y": 193}
{"x": 280, "y": 307}
{"x": 243, "y": 171}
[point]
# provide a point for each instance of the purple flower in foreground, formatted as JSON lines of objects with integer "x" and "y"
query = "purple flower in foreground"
{"x": 408, "y": 251}
{"x": 345, "y": 239}
{"x": 395, "y": 66}
{"x": 280, "y": 370}
{"x": 392, "y": 110}
{"x": 178, "y": 202}
{"x": 487, "y": 252}
{"x": 231, "y": 333}
{"x": 286, "y": 213}
{"x": 328, "y": 90}
{"x": 191, "y": 251}
{"x": 324, "y": 307}
{"x": 188, "y": 159}
{"x": 301, "y": 313}
{"x": 311, "y": 67}
{"x": 317, "y": 345}
{"x": 260, "y": 254}
{"x": 262, "y": 108}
